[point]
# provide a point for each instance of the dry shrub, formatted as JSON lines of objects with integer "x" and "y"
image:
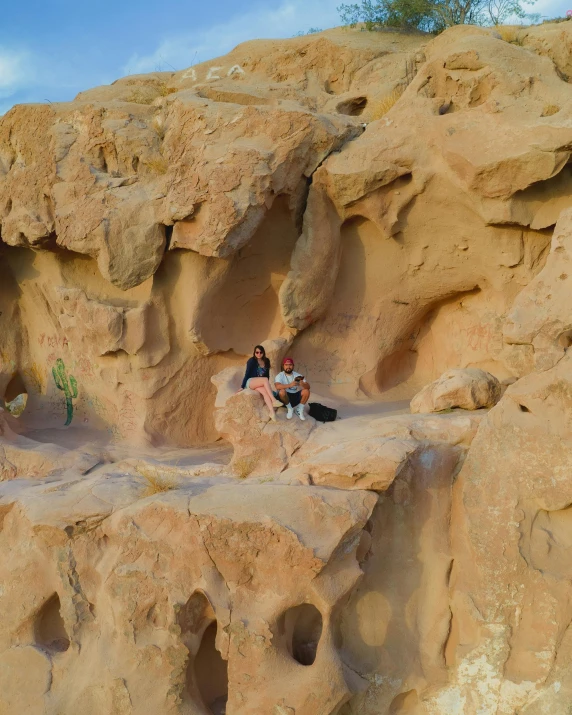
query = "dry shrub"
{"x": 243, "y": 466}
{"x": 164, "y": 90}
{"x": 509, "y": 33}
{"x": 142, "y": 95}
{"x": 158, "y": 127}
{"x": 549, "y": 110}
{"x": 158, "y": 166}
{"x": 379, "y": 107}
{"x": 147, "y": 94}
{"x": 157, "y": 482}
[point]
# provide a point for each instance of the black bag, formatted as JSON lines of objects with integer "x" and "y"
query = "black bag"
{"x": 322, "y": 413}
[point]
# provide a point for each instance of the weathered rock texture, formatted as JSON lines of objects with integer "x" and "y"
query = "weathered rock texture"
{"x": 469, "y": 389}
{"x": 146, "y": 605}
{"x": 152, "y": 232}
{"x": 156, "y": 229}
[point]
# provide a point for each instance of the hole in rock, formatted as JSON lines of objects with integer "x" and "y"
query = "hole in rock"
{"x": 16, "y": 395}
{"x": 168, "y": 237}
{"x": 404, "y": 703}
{"x": 363, "y": 551}
{"x": 353, "y": 107}
{"x": 49, "y": 630}
{"x": 565, "y": 339}
{"x": 194, "y": 615}
{"x": 211, "y": 673}
{"x": 523, "y": 408}
{"x": 302, "y": 626}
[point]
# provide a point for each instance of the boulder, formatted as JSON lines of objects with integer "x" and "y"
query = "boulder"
{"x": 371, "y": 463}
{"x": 469, "y": 389}
{"x": 260, "y": 445}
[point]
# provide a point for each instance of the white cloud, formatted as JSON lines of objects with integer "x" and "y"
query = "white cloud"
{"x": 182, "y": 50}
{"x": 15, "y": 71}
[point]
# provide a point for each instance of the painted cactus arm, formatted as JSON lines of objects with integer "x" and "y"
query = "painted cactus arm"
{"x": 69, "y": 389}
{"x": 56, "y": 375}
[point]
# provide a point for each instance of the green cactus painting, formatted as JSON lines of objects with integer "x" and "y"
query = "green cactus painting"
{"x": 69, "y": 389}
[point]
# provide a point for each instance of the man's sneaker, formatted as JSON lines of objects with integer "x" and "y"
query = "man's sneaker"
{"x": 300, "y": 411}
{"x": 290, "y": 412}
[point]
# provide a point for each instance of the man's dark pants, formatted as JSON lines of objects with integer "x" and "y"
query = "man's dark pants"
{"x": 293, "y": 397}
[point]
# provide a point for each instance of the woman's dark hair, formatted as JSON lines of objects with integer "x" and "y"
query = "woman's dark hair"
{"x": 266, "y": 360}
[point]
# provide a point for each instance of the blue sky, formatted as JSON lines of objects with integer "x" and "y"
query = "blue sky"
{"x": 53, "y": 49}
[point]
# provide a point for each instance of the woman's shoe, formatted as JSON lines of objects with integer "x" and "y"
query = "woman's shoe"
{"x": 273, "y": 417}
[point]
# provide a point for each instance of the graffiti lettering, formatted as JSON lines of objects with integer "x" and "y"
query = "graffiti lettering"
{"x": 53, "y": 341}
{"x": 211, "y": 73}
{"x": 235, "y": 69}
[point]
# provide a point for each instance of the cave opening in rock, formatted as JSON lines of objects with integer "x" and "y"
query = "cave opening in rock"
{"x": 168, "y": 236}
{"x": 16, "y": 395}
{"x": 302, "y": 628}
{"x": 211, "y": 673}
{"x": 352, "y": 107}
{"x": 49, "y": 628}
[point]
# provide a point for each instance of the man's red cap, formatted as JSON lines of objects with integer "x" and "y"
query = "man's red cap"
{"x": 287, "y": 359}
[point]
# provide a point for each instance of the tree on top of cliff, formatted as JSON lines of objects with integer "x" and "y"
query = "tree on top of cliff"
{"x": 431, "y": 15}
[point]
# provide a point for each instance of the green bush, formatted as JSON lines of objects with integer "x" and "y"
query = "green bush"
{"x": 431, "y": 15}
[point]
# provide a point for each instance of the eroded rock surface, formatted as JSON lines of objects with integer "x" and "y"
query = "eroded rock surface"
{"x": 146, "y": 604}
{"x": 297, "y": 213}
{"x": 156, "y": 229}
{"x": 469, "y": 389}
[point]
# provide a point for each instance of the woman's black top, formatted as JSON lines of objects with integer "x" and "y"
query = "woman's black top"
{"x": 253, "y": 369}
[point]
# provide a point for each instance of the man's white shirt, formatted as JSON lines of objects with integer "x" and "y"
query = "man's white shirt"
{"x": 285, "y": 379}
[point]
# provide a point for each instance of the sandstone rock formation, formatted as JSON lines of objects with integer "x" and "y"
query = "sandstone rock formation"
{"x": 469, "y": 389}
{"x": 171, "y": 221}
{"x": 152, "y": 232}
{"x": 539, "y": 324}
{"x": 260, "y": 445}
{"x": 146, "y": 605}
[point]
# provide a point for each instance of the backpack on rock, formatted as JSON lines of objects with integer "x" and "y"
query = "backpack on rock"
{"x": 322, "y": 413}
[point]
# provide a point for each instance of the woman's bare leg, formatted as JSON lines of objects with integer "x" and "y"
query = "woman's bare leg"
{"x": 268, "y": 401}
{"x": 257, "y": 384}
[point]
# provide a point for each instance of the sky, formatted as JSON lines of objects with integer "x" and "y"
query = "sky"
{"x": 51, "y": 50}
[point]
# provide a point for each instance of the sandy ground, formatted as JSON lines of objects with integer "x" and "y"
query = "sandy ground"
{"x": 354, "y": 419}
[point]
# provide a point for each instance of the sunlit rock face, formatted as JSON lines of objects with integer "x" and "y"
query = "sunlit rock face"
{"x": 182, "y": 587}
{"x": 154, "y": 230}
{"x": 410, "y": 558}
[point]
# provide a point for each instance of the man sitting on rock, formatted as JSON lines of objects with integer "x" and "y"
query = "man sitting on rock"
{"x": 292, "y": 389}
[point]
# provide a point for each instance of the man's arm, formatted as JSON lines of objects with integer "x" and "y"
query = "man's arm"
{"x": 281, "y": 386}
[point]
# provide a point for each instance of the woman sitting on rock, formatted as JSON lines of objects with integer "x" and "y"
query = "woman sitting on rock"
{"x": 256, "y": 377}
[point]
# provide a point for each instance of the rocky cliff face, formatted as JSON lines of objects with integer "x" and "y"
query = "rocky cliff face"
{"x": 385, "y": 207}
